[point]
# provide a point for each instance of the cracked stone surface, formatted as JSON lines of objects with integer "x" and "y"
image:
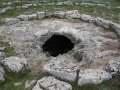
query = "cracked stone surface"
{"x": 113, "y": 67}
{"x": 93, "y": 76}
{"x": 50, "y": 83}
{"x": 61, "y": 67}
{"x": 14, "y": 64}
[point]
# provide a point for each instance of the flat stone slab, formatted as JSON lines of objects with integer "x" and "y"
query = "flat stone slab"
{"x": 50, "y": 83}
{"x": 14, "y": 64}
{"x": 93, "y": 76}
{"x": 62, "y": 68}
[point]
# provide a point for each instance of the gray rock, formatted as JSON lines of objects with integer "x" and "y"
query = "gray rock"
{"x": 87, "y": 4}
{"x": 60, "y": 14}
{"x": 40, "y": 15}
{"x": 118, "y": 7}
{"x": 116, "y": 27}
{"x": 68, "y": 3}
{"x": 14, "y": 64}
{"x": 72, "y": 14}
{"x": 10, "y": 21}
{"x": 32, "y": 16}
{"x": 49, "y": 14}
{"x": 35, "y": 5}
{"x": 23, "y": 17}
{"x": 2, "y": 74}
{"x": 9, "y": 3}
{"x": 100, "y": 5}
{"x": 50, "y": 83}
{"x": 3, "y": 10}
{"x": 28, "y": 5}
{"x": 62, "y": 68}
{"x": 29, "y": 83}
{"x": 87, "y": 18}
{"x": 93, "y": 76}
{"x": 113, "y": 67}
{"x": 2, "y": 48}
{"x": 24, "y": 7}
{"x": 17, "y": 84}
{"x": 2, "y": 56}
{"x": 103, "y": 22}
{"x": 4, "y": 4}
{"x": 60, "y": 3}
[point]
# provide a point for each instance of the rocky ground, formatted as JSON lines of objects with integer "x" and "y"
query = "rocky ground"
{"x": 94, "y": 58}
{"x": 94, "y": 48}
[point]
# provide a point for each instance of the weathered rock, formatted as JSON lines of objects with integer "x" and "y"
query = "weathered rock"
{"x": 72, "y": 14}
{"x": 29, "y": 83}
{"x": 50, "y": 83}
{"x": 9, "y": 3}
{"x": 2, "y": 48}
{"x": 32, "y": 16}
{"x": 103, "y": 22}
{"x": 77, "y": 4}
{"x": 14, "y": 64}
{"x": 28, "y": 5}
{"x": 3, "y": 10}
{"x": 60, "y": 3}
{"x": 101, "y": 5}
{"x": 68, "y": 3}
{"x": 17, "y": 84}
{"x": 113, "y": 67}
{"x": 23, "y": 17}
{"x": 10, "y": 21}
{"x": 2, "y": 56}
{"x": 62, "y": 68}
{"x": 24, "y": 7}
{"x": 87, "y": 18}
{"x": 43, "y": 36}
{"x": 41, "y": 15}
{"x": 60, "y": 14}
{"x": 118, "y": 7}
{"x": 93, "y": 76}
{"x": 2, "y": 74}
{"x": 116, "y": 27}
{"x": 87, "y": 4}
{"x": 34, "y": 5}
{"x": 49, "y": 14}
{"x": 88, "y": 55}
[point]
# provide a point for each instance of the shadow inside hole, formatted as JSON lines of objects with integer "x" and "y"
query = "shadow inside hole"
{"x": 57, "y": 44}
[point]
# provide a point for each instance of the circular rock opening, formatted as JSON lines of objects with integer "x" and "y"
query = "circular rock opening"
{"x": 57, "y": 44}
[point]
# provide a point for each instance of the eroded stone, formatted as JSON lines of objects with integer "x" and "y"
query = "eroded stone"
{"x": 50, "y": 83}
{"x": 62, "y": 68}
{"x": 14, "y": 64}
{"x": 93, "y": 76}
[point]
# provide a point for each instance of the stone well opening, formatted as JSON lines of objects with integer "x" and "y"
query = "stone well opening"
{"x": 57, "y": 44}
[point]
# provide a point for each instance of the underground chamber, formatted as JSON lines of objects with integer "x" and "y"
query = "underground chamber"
{"x": 57, "y": 44}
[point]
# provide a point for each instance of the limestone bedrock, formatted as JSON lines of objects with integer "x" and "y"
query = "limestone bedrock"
{"x": 94, "y": 45}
